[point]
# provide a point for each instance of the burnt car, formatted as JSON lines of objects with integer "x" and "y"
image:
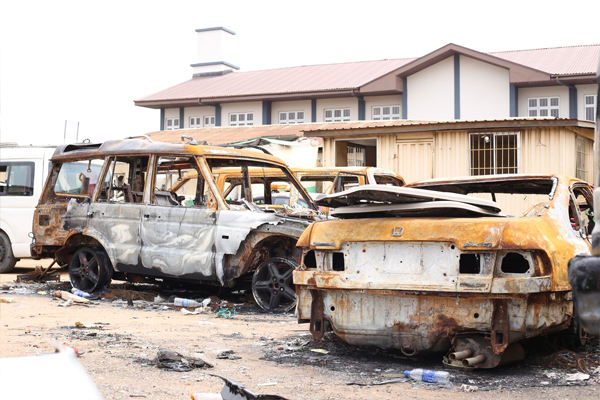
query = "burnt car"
{"x": 107, "y": 212}
{"x": 316, "y": 180}
{"x": 437, "y": 266}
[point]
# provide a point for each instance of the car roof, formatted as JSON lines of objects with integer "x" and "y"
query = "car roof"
{"x": 145, "y": 147}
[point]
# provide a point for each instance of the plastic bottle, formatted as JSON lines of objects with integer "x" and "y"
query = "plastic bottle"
{"x": 186, "y": 302}
{"x": 80, "y": 293}
{"x": 428, "y": 375}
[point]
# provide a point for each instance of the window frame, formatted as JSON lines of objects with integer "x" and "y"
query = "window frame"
{"x": 391, "y": 114}
{"x": 30, "y": 178}
{"x": 209, "y": 124}
{"x": 287, "y": 119}
{"x": 494, "y": 151}
{"x": 334, "y": 118}
{"x": 592, "y": 106}
{"x": 537, "y": 109}
{"x": 241, "y": 121}
{"x": 175, "y": 124}
{"x": 195, "y": 122}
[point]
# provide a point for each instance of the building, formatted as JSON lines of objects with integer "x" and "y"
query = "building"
{"x": 450, "y": 83}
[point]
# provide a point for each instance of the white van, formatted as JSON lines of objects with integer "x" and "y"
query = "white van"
{"x": 23, "y": 171}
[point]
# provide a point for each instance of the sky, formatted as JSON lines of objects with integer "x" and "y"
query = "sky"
{"x": 75, "y": 67}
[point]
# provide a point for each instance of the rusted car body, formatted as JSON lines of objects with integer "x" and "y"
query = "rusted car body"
{"x": 435, "y": 267}
{"x": 108, "y": 213}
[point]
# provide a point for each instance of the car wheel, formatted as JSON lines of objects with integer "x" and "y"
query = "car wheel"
{"x": 273, "y": 286}
{"x": 574, "y": 337}
{"x": 7, "y": 258}
{"x": 90, "y": 269}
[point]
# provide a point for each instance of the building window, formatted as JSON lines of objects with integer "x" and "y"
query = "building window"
{"x": 543, "y": 107}
{"x": 356, "y": 156}
{"x": 240, "y": 119}
{"x": 494, "y": 153}
{"x": 590, "y": 107}
{"x": 291, "y": 117}
{"x": 581, "y": 172}
{"x": 195, "y": 122}
{"x": 342, "y": 114}
{"x": 386, "y": 113}
{"x": 209, "y": 121}
{"x": 172, "y": 123}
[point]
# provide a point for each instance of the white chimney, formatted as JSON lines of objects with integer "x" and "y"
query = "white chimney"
{"x": 213, "y": 50}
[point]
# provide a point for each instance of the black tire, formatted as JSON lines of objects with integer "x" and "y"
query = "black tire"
{"x": 7, "y": 257}
{"x": 273, "y": 285}
{"x": 90, "y": 269}
{"x": 574, "y": 337}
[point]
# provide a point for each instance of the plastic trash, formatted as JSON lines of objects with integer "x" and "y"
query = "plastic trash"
{"x": 206, "y": 396}
{"x": 427, "y": 375}
{"x": 185, "y": 302}
{"x": 80, "y": 293}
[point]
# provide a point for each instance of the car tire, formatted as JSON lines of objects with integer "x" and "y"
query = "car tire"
{"x": 273, "y": 285}
{"x": 7, "y": 258}
{"x": 90, "y": 269}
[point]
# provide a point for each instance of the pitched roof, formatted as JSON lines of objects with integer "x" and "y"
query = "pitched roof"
{"x": 331, "y": 80}
{"x": 572, "y": 60}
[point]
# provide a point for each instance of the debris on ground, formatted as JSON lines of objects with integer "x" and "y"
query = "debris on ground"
{"x": 6, "y": 300}
{"x": 226, "y": 313}
{"x": 227, "y": 355}
{"x": 175, "y": 361}
{"x": 235, "y": 391}
{"x": 40, "y": 274}
{"x": 389, "y": 381}
{"x": 61, "y": 294}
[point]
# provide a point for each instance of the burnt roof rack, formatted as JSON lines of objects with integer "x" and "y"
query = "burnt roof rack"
{"x": 191, "y": 140}
{"x": 142, "y": 137}
{"x": 246, "y": 146}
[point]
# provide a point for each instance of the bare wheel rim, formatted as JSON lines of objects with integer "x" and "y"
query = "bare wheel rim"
{"x": 88, "y": 270}
{"x": 273, "y": 286}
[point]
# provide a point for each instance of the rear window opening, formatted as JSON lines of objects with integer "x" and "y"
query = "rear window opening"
{"x": 514, "y": 263}
{"x": 470, "y": 264}
{"x": 338, "y": 262}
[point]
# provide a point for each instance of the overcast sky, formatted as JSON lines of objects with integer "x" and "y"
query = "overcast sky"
{"x": 86, "y": 61}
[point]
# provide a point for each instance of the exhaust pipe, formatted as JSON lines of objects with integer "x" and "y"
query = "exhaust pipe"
{"x": 473, "y": 361}
{"x": 460, "y": 355}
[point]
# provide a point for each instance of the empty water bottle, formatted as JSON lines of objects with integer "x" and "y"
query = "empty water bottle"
{"x": 80, "y": 293}
{"x": 185, "y": 302}
{"x": 427, "y": 375}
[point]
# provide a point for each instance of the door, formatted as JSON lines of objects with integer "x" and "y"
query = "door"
{"x": 415, "y": 159}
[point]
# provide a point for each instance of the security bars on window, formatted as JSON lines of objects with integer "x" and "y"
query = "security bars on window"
{"x": 581, "y": 172}
{"x": 494, "y": 153}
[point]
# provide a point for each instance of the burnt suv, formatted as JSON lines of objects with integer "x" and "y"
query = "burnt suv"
{"x": 107, "y": 212}
{"x": 436, "y": 266}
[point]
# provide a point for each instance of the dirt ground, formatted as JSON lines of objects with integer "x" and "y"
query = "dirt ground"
{"x": 120, "y": 338}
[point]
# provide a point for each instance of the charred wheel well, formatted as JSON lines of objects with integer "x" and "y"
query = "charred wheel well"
{"x": 273, "y": 246}
{"x": 63, "y": 255}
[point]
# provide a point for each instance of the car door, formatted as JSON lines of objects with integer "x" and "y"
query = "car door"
{"x": 177, "y": 229}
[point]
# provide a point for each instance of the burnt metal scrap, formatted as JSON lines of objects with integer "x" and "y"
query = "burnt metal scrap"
{"x": 235, "y": 391}
{"x": 437, "y": 278}
{"x": 175, "y": 361}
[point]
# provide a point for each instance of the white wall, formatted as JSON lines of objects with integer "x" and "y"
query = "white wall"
{"x": 546, "y": 91}
{"x": 280, "y": 106}
{"x": 375, "y": 101}
{"x": 431, "y": 92}
{"x": 253, "y": 107}
{"x": 582, "y": 91}
{"x": 484, "y": 90}
{"x": 326, "y": 104}
{"x": 189, "y": 112}
{"x": 171, "y": 113}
